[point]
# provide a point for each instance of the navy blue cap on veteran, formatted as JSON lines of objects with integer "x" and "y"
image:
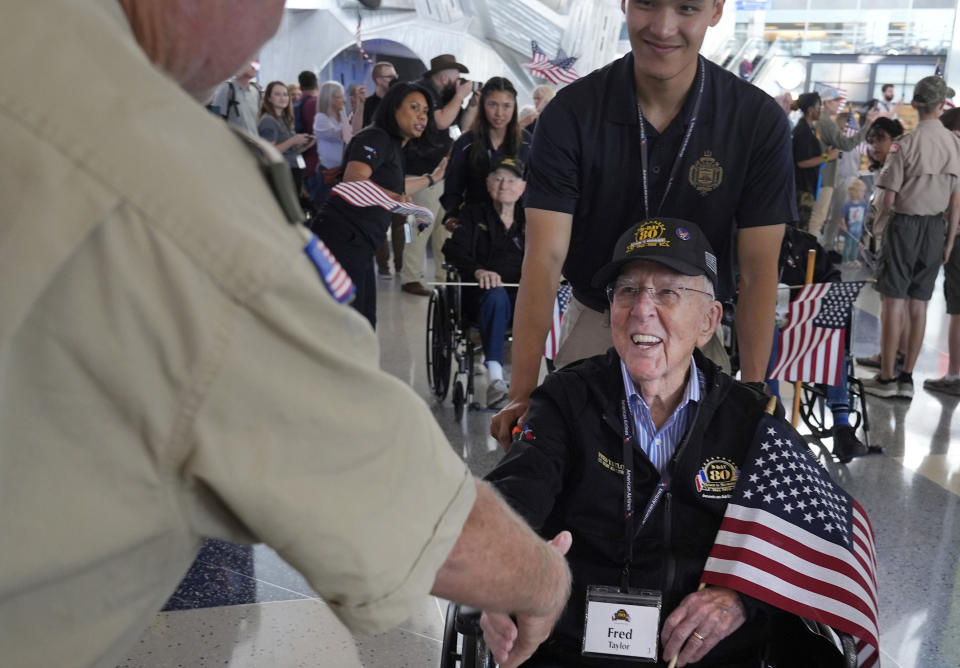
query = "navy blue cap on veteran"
{"x": 678, "y": 244}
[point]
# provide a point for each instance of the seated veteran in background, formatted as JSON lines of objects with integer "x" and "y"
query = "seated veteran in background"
{"x": 566, "y": 470}
{"x": 487, "y": 246}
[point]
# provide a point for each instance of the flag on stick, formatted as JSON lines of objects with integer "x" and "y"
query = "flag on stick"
{"x": 792, "y": 538}
{"x": 359, "y": 41}
{"x": 564, "y": 293}
{"x": 812, "y": 346}
{"x": 368, "y": 193}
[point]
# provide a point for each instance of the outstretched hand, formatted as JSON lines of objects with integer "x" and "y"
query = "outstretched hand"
{"x": 512, "y": 643}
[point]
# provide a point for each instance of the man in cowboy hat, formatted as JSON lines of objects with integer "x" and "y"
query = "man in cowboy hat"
{"x": 449, "y": 92}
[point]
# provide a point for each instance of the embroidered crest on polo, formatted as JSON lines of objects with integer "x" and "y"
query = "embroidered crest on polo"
{"x": 706, "y": 174}
{"x": 683, "y": 234}
{"x": 651, "y": 233}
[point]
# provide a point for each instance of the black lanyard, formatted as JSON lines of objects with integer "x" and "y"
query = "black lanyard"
{"x": 629, "y": 441}
{"x": 644, "y": 158}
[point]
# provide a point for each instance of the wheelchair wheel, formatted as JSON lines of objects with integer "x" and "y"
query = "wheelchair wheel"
{"x": 439, "y": 345}
{"x": 475, "y": 653}
{"x": 449, "y": 656}
{"x": 459, "y": 399}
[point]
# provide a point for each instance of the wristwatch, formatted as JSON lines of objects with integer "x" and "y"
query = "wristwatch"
{"x": 826, "y": 158}
{"x": 430, "y": 180}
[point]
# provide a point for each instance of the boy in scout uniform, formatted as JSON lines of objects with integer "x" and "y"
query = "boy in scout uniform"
{"x": 922, "y": 180}
{"x": 172, "y": 367}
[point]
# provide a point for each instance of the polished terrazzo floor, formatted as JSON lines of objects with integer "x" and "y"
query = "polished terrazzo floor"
{"x": 242, "y": 606}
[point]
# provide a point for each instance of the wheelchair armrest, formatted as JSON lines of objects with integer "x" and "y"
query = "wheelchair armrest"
{"x": 468, "y": 621}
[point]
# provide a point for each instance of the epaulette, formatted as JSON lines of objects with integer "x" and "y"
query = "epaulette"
{"x": 277, "y": 173}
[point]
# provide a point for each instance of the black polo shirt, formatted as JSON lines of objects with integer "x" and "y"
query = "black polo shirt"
{"x": 585, "y": 160}
{"x": 805, "y": 146}
{"x": 371, "y": 146}
{"x": 370, "y": 108}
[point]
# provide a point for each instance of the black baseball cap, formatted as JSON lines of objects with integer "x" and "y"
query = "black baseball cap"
{"x": 513, "y": 164}
{"x": 674, "y": 243}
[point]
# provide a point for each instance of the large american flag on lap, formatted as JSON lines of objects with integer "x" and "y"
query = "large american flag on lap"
{"x": 792, "y": 538}
{"x": 368, "y": 193}
{"x": 812, "y": 345}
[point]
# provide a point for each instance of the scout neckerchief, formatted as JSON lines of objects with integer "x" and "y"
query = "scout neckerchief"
{"x": 644, "y": 158}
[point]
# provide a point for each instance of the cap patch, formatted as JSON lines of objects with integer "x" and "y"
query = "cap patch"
{"x": 683, "y": 234}
{"x": 650, "y": 233}
{"x": 711, "y": 261}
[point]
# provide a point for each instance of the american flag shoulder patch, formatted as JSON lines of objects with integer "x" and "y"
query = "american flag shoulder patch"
{"x": 333, "y": 275}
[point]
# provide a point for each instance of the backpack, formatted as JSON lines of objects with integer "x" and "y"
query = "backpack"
{"x": 232, "y": 104}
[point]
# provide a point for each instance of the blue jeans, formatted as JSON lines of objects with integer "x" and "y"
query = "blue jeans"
{"x": 494, "y": 314}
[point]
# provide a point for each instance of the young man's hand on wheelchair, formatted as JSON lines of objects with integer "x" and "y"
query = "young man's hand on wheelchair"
{"x": 512, "y": 643}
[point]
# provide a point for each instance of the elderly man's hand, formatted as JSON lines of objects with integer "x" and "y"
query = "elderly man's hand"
{"x": 488, "y": 279}
{"x": 712, "y": 614}
{"x": 513, "y": 643}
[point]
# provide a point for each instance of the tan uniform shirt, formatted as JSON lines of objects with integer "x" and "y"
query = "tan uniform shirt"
{"x": 923, "y": 169}
{"x": 171, "y": 367}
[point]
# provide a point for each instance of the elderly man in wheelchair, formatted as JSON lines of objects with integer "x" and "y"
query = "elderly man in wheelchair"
{"x": 487, "y": 246}
{"x": 652, "y": 411}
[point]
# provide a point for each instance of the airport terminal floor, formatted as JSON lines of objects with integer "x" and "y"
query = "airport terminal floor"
{"x": 243, "y": 607}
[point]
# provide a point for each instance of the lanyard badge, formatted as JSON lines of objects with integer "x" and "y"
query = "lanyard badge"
{"x": 622, "y": 621}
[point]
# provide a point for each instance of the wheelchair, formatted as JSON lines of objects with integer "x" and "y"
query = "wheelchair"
{"x": 463, "y": 645}
{"x": 453, "y": 343}
{"x": 814, "y": 408}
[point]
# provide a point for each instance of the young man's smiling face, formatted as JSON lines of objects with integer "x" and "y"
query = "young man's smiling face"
{"x": 666, "y": 35}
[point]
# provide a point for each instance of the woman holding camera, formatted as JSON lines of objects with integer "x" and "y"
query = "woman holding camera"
{"x": 495, "y": 135}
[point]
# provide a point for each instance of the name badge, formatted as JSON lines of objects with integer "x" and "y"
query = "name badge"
{"x": 622, "y": 625}
{"x": 301, "y": 163}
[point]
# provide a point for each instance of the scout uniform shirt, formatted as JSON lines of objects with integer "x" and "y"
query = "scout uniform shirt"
{"x": 171, "y": 367}
{"x": 922, "y": 168}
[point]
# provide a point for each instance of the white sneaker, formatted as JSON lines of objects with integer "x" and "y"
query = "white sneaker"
{"x": 497, "y": 392}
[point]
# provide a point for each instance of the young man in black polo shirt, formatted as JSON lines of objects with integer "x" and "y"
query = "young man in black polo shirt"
{"x": 718, "y": 153}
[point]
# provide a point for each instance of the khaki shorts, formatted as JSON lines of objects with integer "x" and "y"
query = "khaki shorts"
{"x": 910, "y": 257}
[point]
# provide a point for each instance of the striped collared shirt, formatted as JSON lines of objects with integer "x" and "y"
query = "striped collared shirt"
{"x": 659, "y": 446}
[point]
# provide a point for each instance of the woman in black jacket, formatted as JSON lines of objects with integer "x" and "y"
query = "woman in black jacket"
{"x": 495, "y": 135}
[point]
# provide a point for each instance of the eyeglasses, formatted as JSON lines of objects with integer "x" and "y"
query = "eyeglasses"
{"x": 627, "y": 295}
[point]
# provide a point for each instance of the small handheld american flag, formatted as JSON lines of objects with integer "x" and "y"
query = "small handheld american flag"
{"x": 552, "y": 345}
{"x": 368, "y": 193}
{"x": 813, "y": 344}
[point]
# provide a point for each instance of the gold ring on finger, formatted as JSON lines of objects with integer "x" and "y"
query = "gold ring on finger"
{"x": 698, "y": 636}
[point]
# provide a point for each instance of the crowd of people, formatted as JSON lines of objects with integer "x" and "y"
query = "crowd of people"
{"x": 176, "y": 370}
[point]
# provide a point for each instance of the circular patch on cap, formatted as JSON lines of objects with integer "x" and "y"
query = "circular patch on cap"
{"x": 683, "y": 233}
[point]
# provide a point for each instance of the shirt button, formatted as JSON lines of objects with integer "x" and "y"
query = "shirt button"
{"x": 655, "y": 170}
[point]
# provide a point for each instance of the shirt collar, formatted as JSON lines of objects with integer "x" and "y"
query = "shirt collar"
{"x": 622, "y": 94}
{"x": 691, "y": 394}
